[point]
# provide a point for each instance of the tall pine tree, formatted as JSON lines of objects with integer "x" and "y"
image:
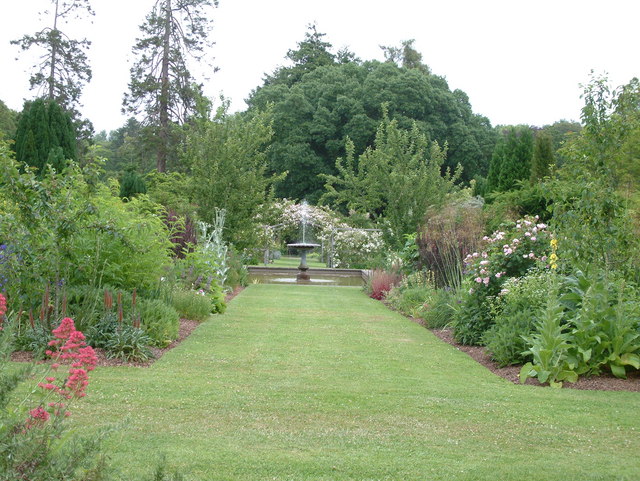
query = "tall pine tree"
{"x": 161, "y": 86}
{"x": 62, "y": 69}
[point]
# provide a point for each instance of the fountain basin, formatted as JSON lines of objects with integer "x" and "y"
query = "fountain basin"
{"x": 318, "y": 276}
{"x": 303, "y": 247}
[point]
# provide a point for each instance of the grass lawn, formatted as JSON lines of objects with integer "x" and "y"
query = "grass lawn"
{"x": 323, "y": 383}
{"x": 294, "y": 261}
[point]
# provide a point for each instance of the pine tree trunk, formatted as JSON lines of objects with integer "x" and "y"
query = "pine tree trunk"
{"x": 54, "y": 51}
{"x": 164, "y": 93}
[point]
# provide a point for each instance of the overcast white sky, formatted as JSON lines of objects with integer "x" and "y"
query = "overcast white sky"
{"x": 519, "y": 62}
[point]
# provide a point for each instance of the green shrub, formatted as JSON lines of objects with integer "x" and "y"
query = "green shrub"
{"x": 238, "y": 274}
{"x": 193, "y": 305}
{"x": 508, "y": 253}
{"x": 78, "y": 233}
{"x": 128, "y": 344}
{"x": 516, "y": 310}
{"x": 34, "y": 339}
{"x": 440, "y": 311}
{"x": 603, "y": 320}
{"x": 86, "y": 304}
{"x": 100, "y": 333}
{"x": 411, "y": 294}
{"x": 504, "y": 340}
{"x": 132, "y": 184}
{"x": 159, "y": 321}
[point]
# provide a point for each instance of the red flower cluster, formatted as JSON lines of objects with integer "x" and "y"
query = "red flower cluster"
{"x": 37, "y": 417}
{"x": 69, "y": 345}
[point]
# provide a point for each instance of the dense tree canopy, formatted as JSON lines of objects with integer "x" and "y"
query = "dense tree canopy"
{"x": 8, "y": 121}
{"x": 229, "y": 171}
{"x": 323, "y": 99}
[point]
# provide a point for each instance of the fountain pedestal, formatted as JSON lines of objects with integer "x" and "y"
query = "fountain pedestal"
{"x": 303, "y": 247}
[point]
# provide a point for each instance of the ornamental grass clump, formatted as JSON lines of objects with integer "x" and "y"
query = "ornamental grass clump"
{"x": 380, "y": 283}
{"x": 447, "y": 237}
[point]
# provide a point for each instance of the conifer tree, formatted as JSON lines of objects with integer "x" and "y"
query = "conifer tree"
{"x": 63, "y": 68}
{"x": 511, "y": 159}
{"x": 161, "y": 86}
{"x": 542, "y": 156}
{"x": 45, "y": 135}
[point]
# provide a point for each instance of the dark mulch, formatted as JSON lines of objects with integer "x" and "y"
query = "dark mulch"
{"x": 186, "y": 328}
{"x": 604, "y": 382}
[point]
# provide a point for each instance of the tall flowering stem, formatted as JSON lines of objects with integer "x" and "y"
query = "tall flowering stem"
{"x": 67, "y": 348}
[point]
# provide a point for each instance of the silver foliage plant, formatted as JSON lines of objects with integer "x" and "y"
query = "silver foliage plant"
{"x": 213, "y": 247}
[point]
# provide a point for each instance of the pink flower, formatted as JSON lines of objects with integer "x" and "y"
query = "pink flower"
{"x": 531, "y": 255}
{"x": 486, "y": 281}
{"x": 64, "y": 330}
{"x": 48, "y": 386}
{"x": 39, "y": 413}
{"x": 534, "y": 238}
{"x": 478, "y": 280}
{"x": 3, "y": 305}
{"x": 498, "y": 275}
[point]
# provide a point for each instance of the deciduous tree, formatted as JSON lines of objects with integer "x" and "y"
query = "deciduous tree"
{"x": 396, "y": 180}
{"x": 227, "y": 156}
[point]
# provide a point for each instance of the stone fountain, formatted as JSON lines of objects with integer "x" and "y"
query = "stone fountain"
{"x": 303, "y": 247}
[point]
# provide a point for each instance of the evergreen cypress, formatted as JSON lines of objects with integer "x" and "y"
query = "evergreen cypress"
{"x": 45, "y": 135}
{"x": 132, "y": 184}
{"x": 542, "y": 156}
{"x": 511, "y": 159}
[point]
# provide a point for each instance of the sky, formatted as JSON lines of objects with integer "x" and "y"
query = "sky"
{"x": 519, "y": 62}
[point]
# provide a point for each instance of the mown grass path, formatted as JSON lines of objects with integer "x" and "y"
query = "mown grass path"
{"x": 320, "y": 383}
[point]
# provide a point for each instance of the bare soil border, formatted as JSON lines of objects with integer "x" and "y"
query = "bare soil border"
{"x": 603, "y": 382}
{"x": 186, "y": 328}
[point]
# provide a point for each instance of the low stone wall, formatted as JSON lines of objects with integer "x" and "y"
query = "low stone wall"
{"x": 312, "y": 270}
